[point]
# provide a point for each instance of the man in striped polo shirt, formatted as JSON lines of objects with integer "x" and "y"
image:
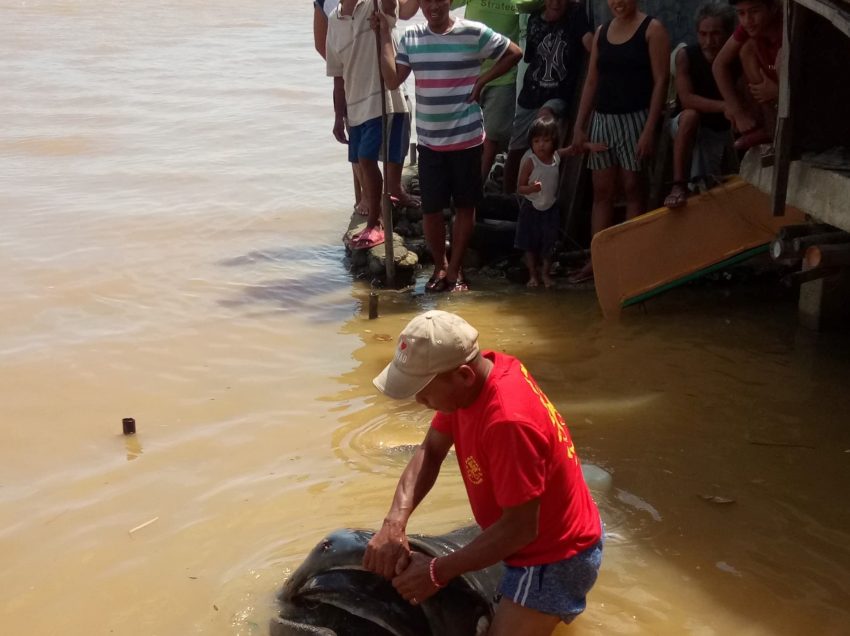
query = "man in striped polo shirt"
{"x": 445, "y": 56}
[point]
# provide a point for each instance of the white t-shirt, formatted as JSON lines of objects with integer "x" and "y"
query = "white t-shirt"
{"x": 549, "y": 177}
{"x": 352, "y": 54}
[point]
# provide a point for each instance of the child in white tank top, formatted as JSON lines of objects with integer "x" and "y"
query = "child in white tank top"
{"x": 539, "y": 213}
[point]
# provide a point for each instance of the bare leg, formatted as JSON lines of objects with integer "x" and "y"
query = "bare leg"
{"x": 633, "y": 185}
{"x": 395, "y": 187}
{"x": 434, "y": 228}
{"x": 753, "y": 75}
{"x": 371, "y": 183}
{"x": 515, "y": 620}
{"x": 461, "y": 234}
{"x": 531, "y": 263}
{"x": 684, "y": 144}
{"x": 602, "y": 212}
{"x": 546, "y": 273}
{"x": 359, "y": 203}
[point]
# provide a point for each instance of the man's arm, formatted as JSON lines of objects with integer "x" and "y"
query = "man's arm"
{"x": 320, "y": 30}
{"x": 725, "y": 79}
{"x": 659, "y": 57}
{"x": 588, "y": 95}
{"x": 517, "y": 527}
{"x": 340, "y": 110}
{"x": 389, "y": 545}
{"x": 508, "y": 59}
{"x": 393, "y": 74}
{"x": 685, "y": 89}
{"x": 407, "y": 9}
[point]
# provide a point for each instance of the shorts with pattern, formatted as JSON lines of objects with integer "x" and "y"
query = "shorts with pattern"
{"x": 559, "y": 588}
{"x": 620, "y": 132}
{"x": 707, "y": 156}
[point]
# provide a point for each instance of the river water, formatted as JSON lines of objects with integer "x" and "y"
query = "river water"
{"x": 171, "y": 206}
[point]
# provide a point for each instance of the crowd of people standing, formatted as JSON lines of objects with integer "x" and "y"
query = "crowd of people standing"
{"x": 471, "y": 106}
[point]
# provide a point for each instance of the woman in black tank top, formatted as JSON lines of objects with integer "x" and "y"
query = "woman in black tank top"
{"x": 625, "y": 89}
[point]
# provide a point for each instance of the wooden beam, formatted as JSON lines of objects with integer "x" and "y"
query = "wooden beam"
{"x": 784, "y": 131}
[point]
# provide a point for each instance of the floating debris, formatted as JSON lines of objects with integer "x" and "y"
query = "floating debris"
{"x": 716, "y": 499}
{"x": 144, "y": 525}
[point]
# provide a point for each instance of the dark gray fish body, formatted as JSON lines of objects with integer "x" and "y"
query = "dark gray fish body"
{"x": 331, "y": 594}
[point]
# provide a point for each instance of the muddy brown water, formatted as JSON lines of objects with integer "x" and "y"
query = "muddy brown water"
{"x": 172, "y": 202}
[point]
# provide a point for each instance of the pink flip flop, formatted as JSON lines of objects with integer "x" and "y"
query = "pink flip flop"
{"x": 367, "y": 239}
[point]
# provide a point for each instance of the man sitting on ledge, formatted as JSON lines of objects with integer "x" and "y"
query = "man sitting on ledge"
{"x": 757, "y": 42}
{"x": 701, "y": 130}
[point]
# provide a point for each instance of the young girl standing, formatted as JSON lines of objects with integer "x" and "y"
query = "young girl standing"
{"x": 539, "y": 212}
{"x": 625, "y": 88}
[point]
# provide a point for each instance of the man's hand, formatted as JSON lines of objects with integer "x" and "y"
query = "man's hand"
{"x": 579, "y": 139}
{"x": 475, "y": 95}
{"x": 388, "y": 552}
{"x": 339, "y": 130}
{"x": 741, "y": 120}
{"x": 414, "y": 583}
{"x": 537, "y": 186}
{"x": 766, "y": 90}
{"x": 380, "y": 23}
{"x": 646, "y": 144}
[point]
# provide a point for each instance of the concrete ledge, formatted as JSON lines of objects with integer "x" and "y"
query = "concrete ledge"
{"x": 823, "y": 194}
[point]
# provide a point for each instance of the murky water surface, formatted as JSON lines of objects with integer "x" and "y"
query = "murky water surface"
{"x": 171, "y": 202}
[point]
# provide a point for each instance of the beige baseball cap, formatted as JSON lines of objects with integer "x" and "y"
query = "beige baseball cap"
{"x": 432, "y": 343}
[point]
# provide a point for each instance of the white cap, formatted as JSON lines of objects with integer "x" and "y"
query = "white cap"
{"x": 431, "y": 343}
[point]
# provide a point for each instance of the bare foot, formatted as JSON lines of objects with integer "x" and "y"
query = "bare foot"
{"x": 533, "y": 282}
{"x": 583, "y": 275}
{"x": 361, "y": 208}
{"x": 406, "y": 200}
{"x": 548, "y": 281}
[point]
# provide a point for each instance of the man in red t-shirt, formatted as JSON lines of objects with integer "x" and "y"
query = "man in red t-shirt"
{"x": 756, "y": 42}
{"x": 520, "y": 469}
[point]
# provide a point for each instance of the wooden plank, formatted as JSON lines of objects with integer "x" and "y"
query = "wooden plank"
{"x": 660, "y": 248}
{"x": 837, "y": 13}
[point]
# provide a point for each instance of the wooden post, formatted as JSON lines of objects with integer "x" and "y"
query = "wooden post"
{"x": 789, "y": 68}
{"x": 386, "y": 204}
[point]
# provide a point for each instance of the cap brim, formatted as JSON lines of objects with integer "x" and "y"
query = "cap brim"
{"x": 399, "y": 385}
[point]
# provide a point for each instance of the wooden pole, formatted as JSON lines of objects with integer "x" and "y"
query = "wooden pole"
{"x": 386, "y": 205}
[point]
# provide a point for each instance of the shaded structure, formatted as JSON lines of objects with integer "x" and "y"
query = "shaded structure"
{"x": 810, "y": 169}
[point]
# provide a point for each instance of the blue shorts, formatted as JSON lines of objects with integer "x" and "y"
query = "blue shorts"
{"x": 364, "y": 141}
{"x": 559, "y": 588}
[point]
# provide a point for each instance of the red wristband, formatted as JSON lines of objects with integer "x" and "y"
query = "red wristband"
{"x": 433, "y": 574}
